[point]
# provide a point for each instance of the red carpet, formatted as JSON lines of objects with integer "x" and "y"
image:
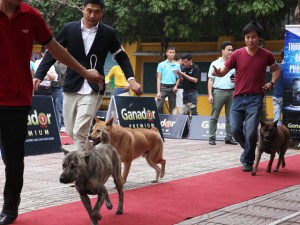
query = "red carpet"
{"x": 174, "y": 201}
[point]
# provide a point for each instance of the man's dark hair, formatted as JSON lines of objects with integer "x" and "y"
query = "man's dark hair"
{"x": 170, "y": 48}
{"x": 225, "y": 44}
{"x": 253, "y": 26}
{"x": 99, "y": 2}
{"x": 177, "y": 57}
{"x": 187, "y": 56}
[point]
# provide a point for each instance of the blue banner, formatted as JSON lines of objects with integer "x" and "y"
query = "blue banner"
{"x": 173, "y": 125}
{"x": 199, "y": 128}
{"x": 291, "y": 73}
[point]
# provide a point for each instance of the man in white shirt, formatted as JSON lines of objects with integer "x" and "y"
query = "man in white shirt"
{"x": 88, "y": 41}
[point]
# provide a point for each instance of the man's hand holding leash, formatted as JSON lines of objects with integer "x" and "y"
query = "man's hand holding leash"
{"x": 135, "y": 87}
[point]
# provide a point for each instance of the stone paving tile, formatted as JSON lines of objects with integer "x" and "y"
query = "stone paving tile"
{"x": 185, "y": 158}
{"x": 262, "y": 210}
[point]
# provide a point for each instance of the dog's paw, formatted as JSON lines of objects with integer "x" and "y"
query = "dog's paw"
{"x": 154, "y": 181}
{"x": 109, "y": 206}
{"x": 94, "y": 222}
{"x": 275, "y": 170}
{"x": 253, "y": 173}
{"x": 119, "y": 212}
{"x": 268, "y": 170}
{"x": 96, "y": 216}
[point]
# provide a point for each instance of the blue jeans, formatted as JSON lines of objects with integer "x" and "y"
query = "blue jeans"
{"x": 57, "y": 95}
{"x": 245, "y": 114}
{"x": 191, "y": 96}
{"x": 277, "y": 104}
{"x": 118, "y": 91}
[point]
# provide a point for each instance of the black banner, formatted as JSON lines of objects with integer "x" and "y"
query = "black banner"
{"x": 43, "y": 136}
{"x": 134, "y": 112}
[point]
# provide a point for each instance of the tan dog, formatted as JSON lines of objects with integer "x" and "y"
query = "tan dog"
{"x": 90, "y": 171}
{"x": 272, "y": 139}
{"x": 183, "y": 110}
{"x": 131, "y": 144}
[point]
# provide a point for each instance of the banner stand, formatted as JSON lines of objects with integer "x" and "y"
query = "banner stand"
{"x": 134, "y": 112}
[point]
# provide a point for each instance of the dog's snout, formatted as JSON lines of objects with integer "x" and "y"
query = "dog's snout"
{"x": 62, "y": 179}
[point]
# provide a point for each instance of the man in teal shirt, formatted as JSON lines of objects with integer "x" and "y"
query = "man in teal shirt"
{"x": 167, "y": 81}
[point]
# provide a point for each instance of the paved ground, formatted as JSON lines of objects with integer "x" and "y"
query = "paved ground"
{"x": 184, "y": 158}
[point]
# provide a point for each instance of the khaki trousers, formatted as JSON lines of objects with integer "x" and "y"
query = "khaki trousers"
{"x": 79, "y": 110}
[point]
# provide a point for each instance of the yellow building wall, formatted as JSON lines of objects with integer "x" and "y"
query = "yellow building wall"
{"x": 202, "y": 52}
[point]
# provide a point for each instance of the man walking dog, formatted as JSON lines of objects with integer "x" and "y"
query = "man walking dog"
{"x": 89, "y": 41}
{"x": 250, "y": 63}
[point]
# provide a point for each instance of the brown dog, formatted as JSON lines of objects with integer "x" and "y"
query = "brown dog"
{"x": 90, "y": 171}
{"x": 131, "y": 144}
{"x": 272, "y": 139}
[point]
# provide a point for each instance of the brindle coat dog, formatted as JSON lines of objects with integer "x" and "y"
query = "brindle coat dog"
{"x": 131, "y": 144}
{"x": 272, "y": 139}
{"x": 183, "y": 110}
{"x": 90, "y": 171}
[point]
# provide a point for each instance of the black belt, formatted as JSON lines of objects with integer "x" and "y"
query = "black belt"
{"x": 192, "y": 90}
{"x": 224, "y": 89}
{"x": 167, "y": 85}
{"x": 248, "y": 94}
{"x": 44, "y": 87}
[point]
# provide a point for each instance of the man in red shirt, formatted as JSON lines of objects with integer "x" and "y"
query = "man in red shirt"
{"x": 20, "y": 26}
{"x": 250, "y": 63}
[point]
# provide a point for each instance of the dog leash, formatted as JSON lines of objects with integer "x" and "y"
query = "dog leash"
{"x": 93, "y": 63}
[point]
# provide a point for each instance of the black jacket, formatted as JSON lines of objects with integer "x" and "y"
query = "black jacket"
{"x": 70, "y": 37}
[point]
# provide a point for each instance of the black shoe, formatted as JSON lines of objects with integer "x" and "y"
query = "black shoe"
{"x": 247, "y": 167}
{"x": 230, "y": 141}
{"x": 7, "y": 218}
{"x": 212, "y": 141}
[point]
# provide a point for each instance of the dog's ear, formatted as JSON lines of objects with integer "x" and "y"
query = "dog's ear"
{"x": 262, "y": 123}
{"x": 97, "y": 118}
{"x": 109, "y": 122}
{"x": 275, "y": 123}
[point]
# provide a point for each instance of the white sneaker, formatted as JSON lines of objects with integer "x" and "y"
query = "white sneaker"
{"x": 62, "y": 129}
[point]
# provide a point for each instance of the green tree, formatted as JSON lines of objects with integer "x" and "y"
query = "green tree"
{"x": 58, "y": 12}
{"x": 193, "y": 20}
{"x": 176, "y": 20}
